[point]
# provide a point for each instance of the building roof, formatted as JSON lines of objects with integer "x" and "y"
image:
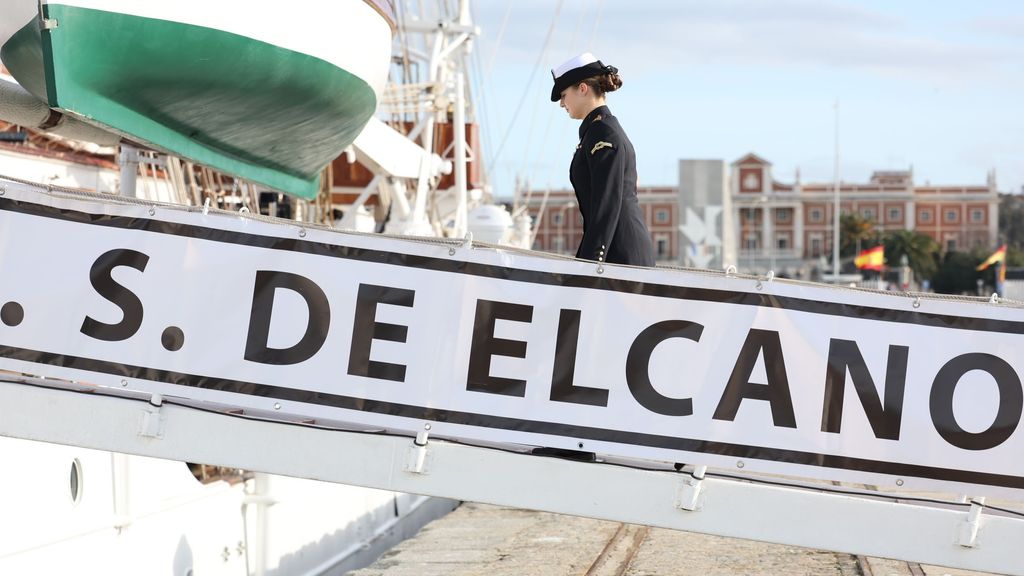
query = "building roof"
{"x": 751, "y": 159}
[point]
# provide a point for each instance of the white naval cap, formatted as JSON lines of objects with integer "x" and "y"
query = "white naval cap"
{"x": 575, "y": 70}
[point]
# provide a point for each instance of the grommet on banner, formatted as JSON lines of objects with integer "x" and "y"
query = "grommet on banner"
{"x": 422, "y": 436}
{"x": 600, "y": 268}
{"x": 3, "y": 190}
{"x": 206, "y": 206}
{"x": 758, "y": 286}
{"x": 994, "y": 299}
{"x": 152, "y": 211}
{"x": 730, "y": 270}
{"x": 917, "y": 302}
{"x": 244, "y": 209}
{"x": 302, "y": 232}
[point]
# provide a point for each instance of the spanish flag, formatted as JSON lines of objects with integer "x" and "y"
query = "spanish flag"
{"x": 997, "y": 256}
{"x": 871, "y": 259}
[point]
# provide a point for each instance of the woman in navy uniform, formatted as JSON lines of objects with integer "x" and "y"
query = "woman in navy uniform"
{"x": 603, "y": 170}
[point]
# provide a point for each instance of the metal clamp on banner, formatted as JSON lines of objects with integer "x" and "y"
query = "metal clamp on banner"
{"x": 467, "y": 243}
{"x": 151, "y": 424}
{"x": 416, "y": 461}
{"x": 969, "y": 528}
{"x": 689, "y": 495}
{"x": 768, "y": 279}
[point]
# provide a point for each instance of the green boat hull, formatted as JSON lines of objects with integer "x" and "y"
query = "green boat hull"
{"x": 236, "y": 104}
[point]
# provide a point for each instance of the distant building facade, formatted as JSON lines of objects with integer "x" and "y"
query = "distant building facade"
{"x": 784, "y": 226}
{"x": 558, "y": 225}
{"x": 739, "y": 214}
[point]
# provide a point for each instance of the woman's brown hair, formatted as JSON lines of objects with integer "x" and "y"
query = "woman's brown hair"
{"x": 604, "y": 83}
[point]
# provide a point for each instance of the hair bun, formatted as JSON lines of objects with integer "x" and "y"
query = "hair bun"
{"x": 611, "y": 69}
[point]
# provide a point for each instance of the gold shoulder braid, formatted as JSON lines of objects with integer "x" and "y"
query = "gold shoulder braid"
{"x": 599, "y": 145}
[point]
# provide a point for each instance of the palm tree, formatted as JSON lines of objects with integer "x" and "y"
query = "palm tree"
{"x": 855, "y": 233}
{"x": 920, "y": 250}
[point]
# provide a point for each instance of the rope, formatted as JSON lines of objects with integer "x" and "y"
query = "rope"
{"x": 529, "y": 84}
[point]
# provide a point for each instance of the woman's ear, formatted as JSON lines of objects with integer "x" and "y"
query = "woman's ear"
{"x": 583, "y": 88}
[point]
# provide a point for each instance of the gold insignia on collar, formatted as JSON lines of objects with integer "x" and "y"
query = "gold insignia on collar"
{"x": 600, "y": 145}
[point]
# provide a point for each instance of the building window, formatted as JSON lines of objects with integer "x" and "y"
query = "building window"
{"x": 977, "y": 215}
{"x": 951, "y": 215}
{"x": 751, "y": 242}
{"x": 925, "y": 216}
{"x": 782, "y": 214}
{"x": 867, "y": 213}
{"x": 950, "y": 244}
{"x": 661, "y": 216}
{"x": 782, "y": 242}
{"x": 558, "y": 244}
{"x": 816, "y": 215}
{"x": 816, "y": 246}
{"x": 661, "y": 246}
{"x": 895, "y": 215}
{"x": 556, "y": 218}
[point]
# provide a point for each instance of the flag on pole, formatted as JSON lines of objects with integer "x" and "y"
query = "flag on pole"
{"x": 997, "y": 256}
{"x": 871, "y": 259}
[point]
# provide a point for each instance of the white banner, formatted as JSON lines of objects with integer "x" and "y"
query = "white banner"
{"x": 498, "y": 346}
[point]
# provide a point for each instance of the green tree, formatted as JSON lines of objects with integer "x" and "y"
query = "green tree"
{"x": 856, "y": 233}
{"x": 957, "y": 274}
{"x": 921, "y": 251}
{"x": 1011, "y": 219}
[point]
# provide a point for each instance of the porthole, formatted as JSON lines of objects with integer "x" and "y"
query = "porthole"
{"x": 76, "y": 481}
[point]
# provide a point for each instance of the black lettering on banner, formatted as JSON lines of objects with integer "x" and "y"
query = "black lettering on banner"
{"x": 485, "y": 345}
{"x": 1011, "y": 401}
{"x": 104, "y": 284}
{"x": 266, "y": 285}
{"x": 885, "y": 418}
{"x": 563, "y": 373}
{"x": 366, "y": 329}
{"x": 776, "y": 391}
{"x": 638, "y": 375}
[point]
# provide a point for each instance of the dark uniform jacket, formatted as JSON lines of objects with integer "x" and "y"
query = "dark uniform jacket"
{"x": 603, "y": 174}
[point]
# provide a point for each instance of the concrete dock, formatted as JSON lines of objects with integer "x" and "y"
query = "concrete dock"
{"x": 481, "y": 540}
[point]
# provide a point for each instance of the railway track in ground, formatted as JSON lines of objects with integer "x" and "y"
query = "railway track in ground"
{"x": 620, "y": 550}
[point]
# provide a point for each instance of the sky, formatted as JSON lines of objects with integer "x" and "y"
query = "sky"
{"x": 937, "y": 86}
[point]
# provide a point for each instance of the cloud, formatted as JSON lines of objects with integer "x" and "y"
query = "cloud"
{"x": 656, "y": 35}
{"x": 1011, "y": 27}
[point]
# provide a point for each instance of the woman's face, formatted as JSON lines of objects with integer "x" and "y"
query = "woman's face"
{"x": 578, "y": 101}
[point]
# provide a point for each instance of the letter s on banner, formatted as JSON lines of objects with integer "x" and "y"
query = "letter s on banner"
{"x": 125, "y": 299}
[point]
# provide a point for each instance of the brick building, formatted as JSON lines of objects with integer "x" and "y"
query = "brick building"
{"x": 788, "y": 225}
{"x": 559, "y": 228}
{"x": 740, "y": 214}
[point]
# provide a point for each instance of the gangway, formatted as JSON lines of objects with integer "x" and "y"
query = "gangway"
{"x": 434, "y": 367}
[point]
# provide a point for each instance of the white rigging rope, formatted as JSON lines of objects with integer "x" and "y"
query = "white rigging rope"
{"x": 597, "y": 22}
{"x": 543, "y": 148}
{"x": 529, "y": 84}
